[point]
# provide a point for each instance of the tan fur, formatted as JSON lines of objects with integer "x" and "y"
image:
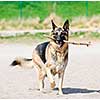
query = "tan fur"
{"x": 53, "y": 85}
{"x": 56, "y": 60}
{"x": 50, "y": 68}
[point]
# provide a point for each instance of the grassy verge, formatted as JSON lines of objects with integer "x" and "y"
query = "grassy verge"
{"x": 25, "y": 38}
{"x": 92, "y": 35}
{"x": 39, "y": 37}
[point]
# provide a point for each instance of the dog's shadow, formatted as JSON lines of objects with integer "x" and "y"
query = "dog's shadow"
{"x": 77, "y": 90}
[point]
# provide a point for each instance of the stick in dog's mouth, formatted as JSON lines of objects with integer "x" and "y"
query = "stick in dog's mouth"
{"x": 78, "y": 43}
{"x": 71, "y": 42}
{"x": 47, "y": 36}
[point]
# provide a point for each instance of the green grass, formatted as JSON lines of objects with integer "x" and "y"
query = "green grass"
{"x": 28, "y": 38}
{"x": 92, "y": 35}
{"x": 65, "y": 9}
{"x": 95, "y": 35}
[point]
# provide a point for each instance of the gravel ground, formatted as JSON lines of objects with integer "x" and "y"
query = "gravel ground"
{"x": 81, "y": 80}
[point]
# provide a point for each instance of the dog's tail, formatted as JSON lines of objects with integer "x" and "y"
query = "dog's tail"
{"x": 22, "y": 62}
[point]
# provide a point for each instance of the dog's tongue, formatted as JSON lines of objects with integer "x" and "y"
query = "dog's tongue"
{"x": 60, "y": 45}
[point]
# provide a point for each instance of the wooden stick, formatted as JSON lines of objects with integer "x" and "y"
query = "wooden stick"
{"x": 78, "y": 43}
{"x": 70, "y": 42}
{"x": 47, "y": 36}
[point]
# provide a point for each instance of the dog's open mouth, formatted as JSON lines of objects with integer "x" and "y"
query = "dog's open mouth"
{"x": 59, "y": 43}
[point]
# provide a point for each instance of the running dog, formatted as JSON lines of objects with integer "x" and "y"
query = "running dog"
{"x": 50, "y": 58}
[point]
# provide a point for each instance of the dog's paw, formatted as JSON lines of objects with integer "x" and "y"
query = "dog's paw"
{"x": 53, "y": 85}
{"x": 60, "y": 93}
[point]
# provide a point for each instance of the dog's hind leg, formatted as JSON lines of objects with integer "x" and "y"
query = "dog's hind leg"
{"x": 40, "y": 66}
{"x": 41, "y": 76}
{"x": 41, "y": 79}
{"x": 41, "y": 85}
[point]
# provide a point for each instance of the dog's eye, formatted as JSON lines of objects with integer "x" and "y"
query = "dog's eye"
{"x": 62, "y": 35}
{"x": 55, "y": 33}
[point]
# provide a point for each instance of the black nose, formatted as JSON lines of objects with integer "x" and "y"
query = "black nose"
{"x": 58, "y": 38}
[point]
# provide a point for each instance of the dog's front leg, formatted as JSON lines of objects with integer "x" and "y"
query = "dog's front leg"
{"x": 61, "y": 76}
{"x": 50, "y": 77}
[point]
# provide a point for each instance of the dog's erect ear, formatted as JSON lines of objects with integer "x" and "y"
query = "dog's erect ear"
{"x": 53, "y": 25}
{"x": 66, "y": 25}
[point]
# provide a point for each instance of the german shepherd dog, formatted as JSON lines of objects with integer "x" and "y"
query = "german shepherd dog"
{"x": 50, "y": 58}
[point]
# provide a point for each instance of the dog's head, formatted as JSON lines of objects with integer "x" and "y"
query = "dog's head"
{"x": 60, "y": 33}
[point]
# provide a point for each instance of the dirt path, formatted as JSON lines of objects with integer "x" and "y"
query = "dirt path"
{"x": 82, "y": 76}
